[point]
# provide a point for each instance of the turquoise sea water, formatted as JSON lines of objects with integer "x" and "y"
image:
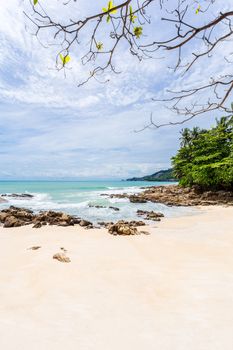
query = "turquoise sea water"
{"x": 74, "y": 197}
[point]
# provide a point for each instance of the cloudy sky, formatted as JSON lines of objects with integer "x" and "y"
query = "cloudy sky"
{"x": 50, "y": 128}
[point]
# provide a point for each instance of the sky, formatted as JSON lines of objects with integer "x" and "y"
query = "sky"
{"x": 52, "y": 129}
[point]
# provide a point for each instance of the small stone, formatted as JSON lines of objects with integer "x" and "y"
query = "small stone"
{"x": 145, "y": 232}
{"x": 61, "y": 257}
{"x": 37, "y": 225}
{"x": 36, "y": 247}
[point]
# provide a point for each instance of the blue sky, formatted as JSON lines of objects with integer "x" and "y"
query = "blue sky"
{"x": 51, "y": 129}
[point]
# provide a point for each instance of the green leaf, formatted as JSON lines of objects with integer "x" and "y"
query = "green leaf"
{"x": 35, "y": 2}
{"x": 131, "y": 15}
{"x": 99, "y": 46}
{"x": 109, "y": 9}
{"x": 198, "y": 9}
{"x": 138, "y": 32}
{"x": 64, "y": 59}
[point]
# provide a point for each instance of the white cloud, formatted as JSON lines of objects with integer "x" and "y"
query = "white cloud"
{"x": 51, "y": 128}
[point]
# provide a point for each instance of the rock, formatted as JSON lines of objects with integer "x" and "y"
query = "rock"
{"x": 3, "y": 216}
{"x": 96, "y": 206}
{"x": 64, "y": 250}
{"x": 121, "y": 228}
{"x": 61, "y": 257}
{"x": 63, "y": 223}
{"x": 150, "y": 215}
{"x": 35, "y": 247}
{"x": 137, "y": 199}
{"x": 136, "y": 223}
{"x": 14, "y": 216}
{"x": 114, "y": 208}
{"x": 65, "y": 217}
{"x": 11, "y": 221}
{"x": 18, "y": 196}
{"x": 85, "y": 223}
{"x": 37, "y": 225}
{"x": 144, "y": 232}
{"x": 175, "y": 195}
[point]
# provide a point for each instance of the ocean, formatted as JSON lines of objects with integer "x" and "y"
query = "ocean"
{"x": 76, "y": 197}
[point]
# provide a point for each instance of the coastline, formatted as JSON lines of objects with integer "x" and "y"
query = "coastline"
{"x": 169, "y": 290}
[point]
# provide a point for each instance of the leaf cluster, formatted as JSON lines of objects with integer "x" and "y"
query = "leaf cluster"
{"x": 205, "y": 157}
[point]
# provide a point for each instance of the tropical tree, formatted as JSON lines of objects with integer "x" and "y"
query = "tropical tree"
{"x": 207, "y": 159}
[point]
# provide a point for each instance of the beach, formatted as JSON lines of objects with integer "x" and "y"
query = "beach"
{"x": 172, "y": 289}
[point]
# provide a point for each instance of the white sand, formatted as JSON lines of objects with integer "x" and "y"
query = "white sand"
{"x": 170, "y": 290}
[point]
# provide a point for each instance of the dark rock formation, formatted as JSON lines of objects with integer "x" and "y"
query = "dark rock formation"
{"x": 175, "y": 195}
{"x": 14, "y": 217}
{"x": 137, "y": 199}
{"x": 18, "y": 196}
{"x": 114, "y": 208}
{"x": 102, "y": 207}
{"x": 96, "y": 206}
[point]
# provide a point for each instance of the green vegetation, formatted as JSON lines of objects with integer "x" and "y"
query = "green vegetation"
{"x": 162, "y": 175}
{"x": 205, "y": 157}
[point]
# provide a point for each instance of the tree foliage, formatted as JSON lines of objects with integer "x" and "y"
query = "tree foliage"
{"x": 205, "y": 157}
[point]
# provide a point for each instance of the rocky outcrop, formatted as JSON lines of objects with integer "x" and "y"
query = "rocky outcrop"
{"x": 14, "y": 217}
{"x": 175, "y": 195}
{"x": 150, "y": 215}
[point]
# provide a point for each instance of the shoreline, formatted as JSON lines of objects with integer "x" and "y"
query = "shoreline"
{"x": 169, "y": 290}
{"x": 144, "y": 205}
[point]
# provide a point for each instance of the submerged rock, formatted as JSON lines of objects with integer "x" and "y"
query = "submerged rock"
{"x": 18, "y": 196}
{"x": 114, "y": 208}
{"x": 150, "y": 215}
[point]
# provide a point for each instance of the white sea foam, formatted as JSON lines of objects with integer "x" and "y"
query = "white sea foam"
{"x": 77, "y": 203}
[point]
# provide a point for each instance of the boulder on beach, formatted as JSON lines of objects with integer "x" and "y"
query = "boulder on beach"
{"x": 61, "y": 257}
{"x": 122, "y": 228}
